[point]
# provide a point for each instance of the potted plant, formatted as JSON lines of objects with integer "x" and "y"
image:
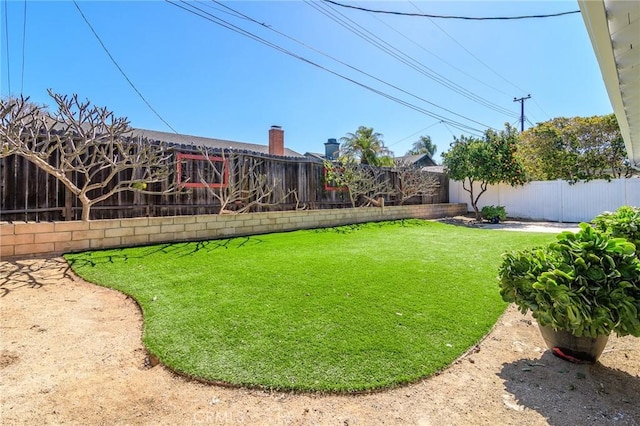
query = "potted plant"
{"x": 493, "y": 214}
{"x": 580, "y": 289}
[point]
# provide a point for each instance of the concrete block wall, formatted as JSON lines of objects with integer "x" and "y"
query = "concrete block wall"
{"x": 31, "y": 238}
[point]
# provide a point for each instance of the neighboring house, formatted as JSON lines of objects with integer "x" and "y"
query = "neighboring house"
{"x": 275, "y": 146}
{"x": 331, "y": 151}
{"x": 420, "y": 160}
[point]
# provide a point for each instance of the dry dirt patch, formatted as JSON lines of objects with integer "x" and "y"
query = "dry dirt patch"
{"x": 71, "y": 353}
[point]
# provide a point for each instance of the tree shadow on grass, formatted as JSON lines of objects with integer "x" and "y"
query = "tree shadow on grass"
{"x": 32, "y": 273}
{"x": 94, "y": 258}
{"x": 572, "y": 394}
{"x": 35, "y": 273}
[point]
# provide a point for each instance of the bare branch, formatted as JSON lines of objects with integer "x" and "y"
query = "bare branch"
{"x": 238, "y": 183}
{"x": 413, "y": 182}
{"x": 97, "y": 157}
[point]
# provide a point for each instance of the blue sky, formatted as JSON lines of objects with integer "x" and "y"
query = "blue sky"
{"x": 209, "y": 81}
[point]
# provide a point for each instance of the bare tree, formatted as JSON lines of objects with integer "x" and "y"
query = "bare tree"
{"x": 412, "y": 181}
{"x": 367, "y": 185}
{"x": 89, "y": 150}
{"x": 238, "y": 183}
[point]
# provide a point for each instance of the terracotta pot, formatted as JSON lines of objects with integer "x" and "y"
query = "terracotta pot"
{"x": 583, "y": 348}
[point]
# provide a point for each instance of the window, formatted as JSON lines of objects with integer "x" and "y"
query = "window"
{"x": 198, "y": 171}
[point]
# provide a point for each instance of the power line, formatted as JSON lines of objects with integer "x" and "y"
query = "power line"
{"x": 447, "y": 127}
{"x": 408, "y": 60}
{"x": 469, "y": 18}
{"x": 540, "y": 108}
{"x": 470, "y": 53}
{"x": 221, "y": 22}
{"x": 6, "y": 31}
{"x": 233, "y": 13}
{"x": 240, "y": 14}
{"x": 420, "y": 46}
{"x": 121, "y": 70}
{"x": 415, "y": 133}
{"x": 24, "y": 42}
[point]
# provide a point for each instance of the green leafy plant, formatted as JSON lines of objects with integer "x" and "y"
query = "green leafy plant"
{"x": 624, "y": 223}
{"x": 493, "y": 213}
{"x": 586, "y": 283}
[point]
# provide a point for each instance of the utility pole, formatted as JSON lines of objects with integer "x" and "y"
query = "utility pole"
{"x": 521, "y": 100}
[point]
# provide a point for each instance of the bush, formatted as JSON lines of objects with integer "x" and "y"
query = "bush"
{"x": 623, "y": 223}
{"x": 493, "y": 213}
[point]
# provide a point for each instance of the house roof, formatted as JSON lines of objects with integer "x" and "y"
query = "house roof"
{"x": 316, "y": 155}
{"x": 614, "y": 30}
{"x": 176, "y": 138}
{"x": 413, "y": 159}
{"x": 433, "y": 169}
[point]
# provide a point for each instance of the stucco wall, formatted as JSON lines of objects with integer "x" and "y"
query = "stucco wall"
{"x": 29, "y": 238}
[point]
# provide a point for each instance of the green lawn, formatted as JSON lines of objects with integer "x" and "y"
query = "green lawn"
{"x": 341, "y": 309}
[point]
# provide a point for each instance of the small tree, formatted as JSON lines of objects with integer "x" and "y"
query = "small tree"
{"x": 412, "y": 181}
{"x": 365, "y": 184}
{"x": 485, "y": 161}
{"x": 243, "y": 186}
{"x": 88, "y": 149}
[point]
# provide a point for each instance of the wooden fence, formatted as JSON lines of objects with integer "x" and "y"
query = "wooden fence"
{"x": 29, "y": 194}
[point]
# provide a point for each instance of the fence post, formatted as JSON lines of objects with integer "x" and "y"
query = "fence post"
{"x": 561, "y": 192}
{"x": 68, "y": 203}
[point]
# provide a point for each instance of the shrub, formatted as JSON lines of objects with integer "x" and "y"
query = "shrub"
{"x": 623, "y": 223}
{"x": 493, "y": 213}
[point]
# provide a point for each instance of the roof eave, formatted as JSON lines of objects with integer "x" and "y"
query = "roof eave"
{"x": 594, "y": 14}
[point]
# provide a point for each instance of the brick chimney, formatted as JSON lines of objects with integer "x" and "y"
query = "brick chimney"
{"x": 276, "y": 140}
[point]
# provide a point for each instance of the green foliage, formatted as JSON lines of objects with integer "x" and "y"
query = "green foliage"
{"x": 141, "y": 186}
{"x": 367, "y": 147}
{"x": 624, "y": 223}
{"x": 484, "y": 161}
{"x": 338, "y": 309}
{"x": 423, "y": 146}
{"x": 574, "y": 149}
{"x": 493, "y": 212}
{"x": 585, "y": 283}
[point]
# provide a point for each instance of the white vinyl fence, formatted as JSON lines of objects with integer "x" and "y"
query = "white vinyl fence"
{"x": 555, "y": 200}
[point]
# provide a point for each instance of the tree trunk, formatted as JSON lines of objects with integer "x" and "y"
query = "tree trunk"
{"x": 86, "y": 207}
{"x": 474, "y": 204}
{"x": 474, "y": 200}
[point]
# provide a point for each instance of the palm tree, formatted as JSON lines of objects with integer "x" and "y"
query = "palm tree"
{"x": 365, "y": 145}
{"x": 423, "y": 146}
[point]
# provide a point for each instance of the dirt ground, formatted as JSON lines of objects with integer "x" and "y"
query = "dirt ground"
{"x": 71, "y": 353}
